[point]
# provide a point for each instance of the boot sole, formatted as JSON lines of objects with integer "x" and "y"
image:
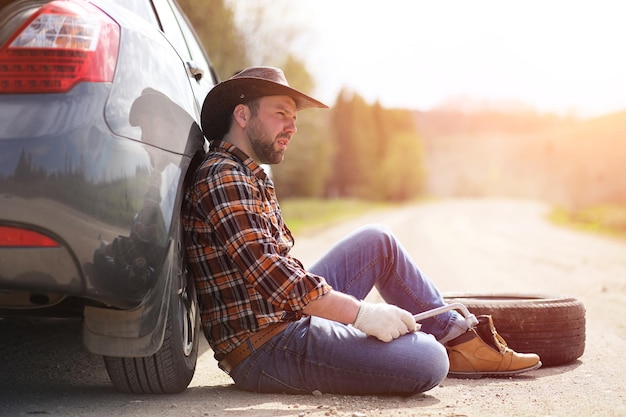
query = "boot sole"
{"x": 477, "y": 374}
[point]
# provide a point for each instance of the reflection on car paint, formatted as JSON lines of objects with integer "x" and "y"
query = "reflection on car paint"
{"x": 117, "y": 183}
{"x": 131, "y": 263}
{"x": 132, "y": 85}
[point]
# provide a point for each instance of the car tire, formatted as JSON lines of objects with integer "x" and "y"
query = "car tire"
{"x": 552, "y": 327}
{"x": 172, "y": 367}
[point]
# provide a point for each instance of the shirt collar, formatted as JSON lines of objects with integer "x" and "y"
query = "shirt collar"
{"x": 240, "y": 156}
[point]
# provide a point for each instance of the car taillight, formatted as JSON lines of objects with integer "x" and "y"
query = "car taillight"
{"x": 63, "y": 43}
{"x": 20, "y": 238}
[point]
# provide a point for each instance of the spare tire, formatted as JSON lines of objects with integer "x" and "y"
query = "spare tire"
{"x": 551, "y": 326}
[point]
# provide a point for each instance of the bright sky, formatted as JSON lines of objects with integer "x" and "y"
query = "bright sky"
{"x": 556, "y": 55}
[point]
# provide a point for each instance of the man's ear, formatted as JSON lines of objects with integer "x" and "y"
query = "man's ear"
{"x": 241, "y": 115}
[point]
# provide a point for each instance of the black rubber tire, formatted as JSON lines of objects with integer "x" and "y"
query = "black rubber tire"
{"x": 551, "y": 326}
{"x": 172, "y": 367}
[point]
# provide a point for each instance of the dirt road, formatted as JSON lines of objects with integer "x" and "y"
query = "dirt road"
{"x": 463, "y": 245}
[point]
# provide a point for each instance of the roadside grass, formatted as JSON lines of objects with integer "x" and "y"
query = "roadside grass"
{"x": 603, "y": 219}
{"x": 304, "y": 215}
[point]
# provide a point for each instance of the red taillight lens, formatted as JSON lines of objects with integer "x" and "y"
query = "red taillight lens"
{"x": 20, "y": 238}
{"x": 65, "y": 42}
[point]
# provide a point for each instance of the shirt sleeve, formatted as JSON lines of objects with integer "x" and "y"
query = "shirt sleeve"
{"x": 249, "y": 227}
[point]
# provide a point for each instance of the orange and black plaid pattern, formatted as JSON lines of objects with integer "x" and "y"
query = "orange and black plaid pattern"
{"x": 238, "y": 248}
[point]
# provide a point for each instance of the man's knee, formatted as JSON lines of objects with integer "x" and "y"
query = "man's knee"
{"x": 376, "y": 232}
{"x": 420, "y": 361}
{"x": 431, "y": 364}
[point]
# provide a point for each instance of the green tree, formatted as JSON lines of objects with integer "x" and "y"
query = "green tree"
{"x": 344, "y": 173}
{"x": 356, "y": 134}
{"x": 214, "y": 22}
{"x": 379, "y": 155}
{"x": 268, "y": 34}
{"x": 401, "y": 172}
{"x": 366, "y": 142}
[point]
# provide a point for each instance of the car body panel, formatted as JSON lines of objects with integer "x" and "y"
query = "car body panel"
{"x": 100, "y": 170}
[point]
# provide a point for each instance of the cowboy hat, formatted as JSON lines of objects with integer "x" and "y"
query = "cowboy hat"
{"x": 242, "y": 87}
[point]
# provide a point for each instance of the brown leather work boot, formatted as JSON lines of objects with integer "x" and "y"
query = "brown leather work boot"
{"x": 481, "y": 351}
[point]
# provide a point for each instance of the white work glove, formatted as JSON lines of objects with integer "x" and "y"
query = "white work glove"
{"x": 384, "y": 321}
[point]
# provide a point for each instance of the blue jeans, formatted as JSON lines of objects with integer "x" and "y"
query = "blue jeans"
{"x": 319, "y": 354}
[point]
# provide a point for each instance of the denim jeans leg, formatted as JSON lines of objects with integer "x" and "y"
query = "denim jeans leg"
{"x": 317, "y": 354}
{"x": 372, "y": 257}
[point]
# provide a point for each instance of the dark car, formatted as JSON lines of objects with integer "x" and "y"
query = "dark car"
{"x": 99, "y": 109}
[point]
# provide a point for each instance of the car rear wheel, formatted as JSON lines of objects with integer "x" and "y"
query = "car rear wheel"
{"x": 172, "y": 367}
{"x": 552, "y": 327}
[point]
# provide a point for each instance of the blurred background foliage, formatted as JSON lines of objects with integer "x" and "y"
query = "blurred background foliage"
{"x": 359, "y": 150}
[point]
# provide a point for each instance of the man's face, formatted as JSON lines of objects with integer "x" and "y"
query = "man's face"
{"x": 271, "y": 128}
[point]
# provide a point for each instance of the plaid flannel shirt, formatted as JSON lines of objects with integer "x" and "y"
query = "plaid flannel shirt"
{"x": 238, "y": 248}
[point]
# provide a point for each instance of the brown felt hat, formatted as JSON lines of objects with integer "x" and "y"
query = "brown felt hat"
{"x": 242, "y": 87}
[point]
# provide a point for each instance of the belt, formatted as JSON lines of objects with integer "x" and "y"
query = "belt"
{"x": 241, "y": 352}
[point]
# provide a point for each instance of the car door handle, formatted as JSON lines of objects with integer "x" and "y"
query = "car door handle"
{"x": 194, "y": 70}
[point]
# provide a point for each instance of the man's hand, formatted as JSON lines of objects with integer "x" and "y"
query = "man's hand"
{"x": 384, "y": 321}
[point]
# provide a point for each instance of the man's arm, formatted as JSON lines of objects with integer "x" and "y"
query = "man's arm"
{"x": 383, "y": 321}
{"x": 335, "y": 306}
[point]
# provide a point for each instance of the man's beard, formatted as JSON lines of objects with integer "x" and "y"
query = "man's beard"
{"x": 263, "y": 147}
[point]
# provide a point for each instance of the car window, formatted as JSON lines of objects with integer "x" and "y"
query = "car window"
{"x": 171, "y": 27}
{"x": 184, "y": 40}
{"x": 198, "y": 54}
{"x": 142, "y": 8}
